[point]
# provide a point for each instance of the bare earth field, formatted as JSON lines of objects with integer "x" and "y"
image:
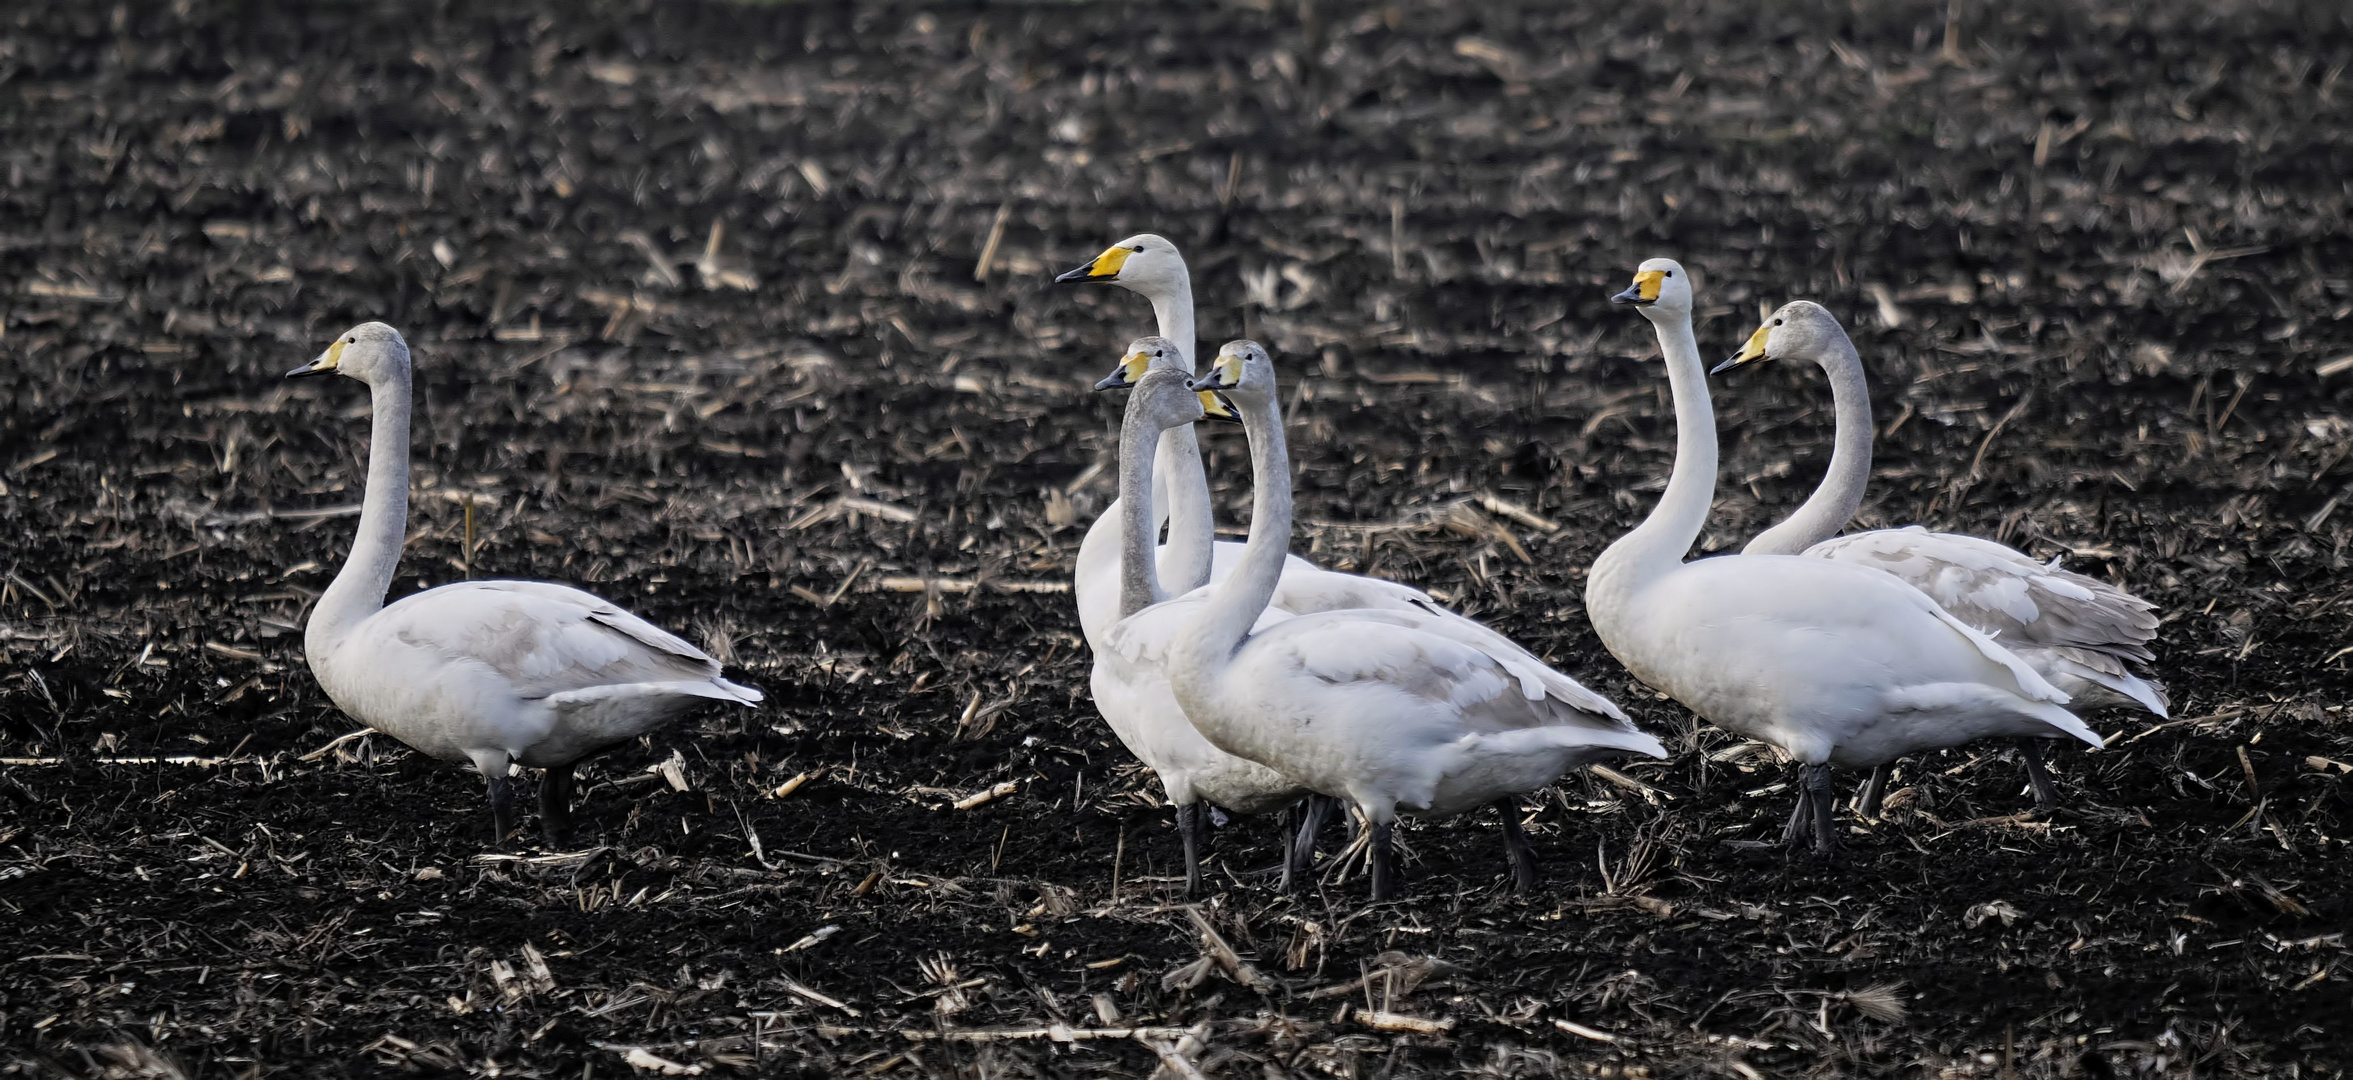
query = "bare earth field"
{"x": 692, "y": 288}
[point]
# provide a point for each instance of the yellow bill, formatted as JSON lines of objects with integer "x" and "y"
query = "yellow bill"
{"x": 1129, "y": 372}
{"x": 1218, "y": 408}
{"x": 326, "y": 362}
{"x": 1104, "y": 268}
{"x": 1750, "y": 352}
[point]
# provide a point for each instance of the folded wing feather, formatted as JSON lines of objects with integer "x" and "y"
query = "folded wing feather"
{"x": 545, "y": 639}
{"x": 2001, "y": 591}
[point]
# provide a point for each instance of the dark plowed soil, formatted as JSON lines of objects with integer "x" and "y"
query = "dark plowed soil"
{"x": 2095, "y": 254}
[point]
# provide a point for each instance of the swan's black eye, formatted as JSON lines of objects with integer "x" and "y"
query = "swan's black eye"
{"x": 1138, "y": 247}
{"x": 1670, "y": 273}
{"x": 1776, "y": 322}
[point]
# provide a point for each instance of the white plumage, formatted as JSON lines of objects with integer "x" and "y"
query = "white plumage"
{"x": 2081, "y": 634}
{"x": 1151, "y": 266}
{"x": 492, "y": 673}
{"x": 1390, "y": 708}
{"x": 1130, "y": 683}
{"x": 1834, "y": 663}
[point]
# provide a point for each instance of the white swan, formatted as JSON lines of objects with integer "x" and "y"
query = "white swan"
{"x": 2082, "y": 634}
{"x": 1180, "y": 754}
{"x": 488, "y": 672}
{"x": 1373, "y": 706}
{"x": 1833, "y": 663}
{"x": 1150, "y": 266}
{"x": 1130, "y": 683}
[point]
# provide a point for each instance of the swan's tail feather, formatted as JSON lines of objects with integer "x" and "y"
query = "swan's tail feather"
{"x": 1557, "y": 736}
{"x": 2132, "y": 688}
{"x": 714, "y": 689}
{"x": 739, "y": 693}
{"x": 2030, "y": 682}
{"x": 2065, "y": 721}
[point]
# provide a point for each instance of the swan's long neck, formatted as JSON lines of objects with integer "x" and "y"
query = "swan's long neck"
{"x": 1657, "y": 546}
{"x": 1243, "y": 595}
{"x": 1180, "y": 484}
{"x": 1173, "y": 310}
{"x": 358, "y": 591}
{"x": 1139, "y": 582}
{"x": 1833, "y": 504}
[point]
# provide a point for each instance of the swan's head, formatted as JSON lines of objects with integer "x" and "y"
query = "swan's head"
{"x": 1659, "y": 285}
{"x": 1242, "y": 371}
{"x": 1149, "y": 354}
{"x": 1144, "y": 263}
{"x": 1801, "y": 330}
{"x": 1165, "y": 398}
{"x": 368, "y": 352}
{"x": 1144, "y": 354}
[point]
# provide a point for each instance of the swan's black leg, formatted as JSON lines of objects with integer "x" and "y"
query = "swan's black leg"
{"x": 1816, "y": 780}
{"x": 1188, "y": 823}
{"x": 1314, "y": 810}
{"x": 1515, "y": 844}
{"x": 2046, "y": 793}
{"x": 1801, "y": 816}
{"x": 1383, "y": 858}
{"x": 1874, "y": 790}
{"x": 555, "y": 806}
{"x": 1287, "y": 824}
{"x": 502, "y": 808}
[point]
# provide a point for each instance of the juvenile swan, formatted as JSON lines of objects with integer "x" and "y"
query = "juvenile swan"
{"x": 2082, "y": 634}
{"x": 488, "y": 672}
{"x": 1831, "y": 662}
{"x": 1369, "y": 705}
{"x": 1130, "y": 683}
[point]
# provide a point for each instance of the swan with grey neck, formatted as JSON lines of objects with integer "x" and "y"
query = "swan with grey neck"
{"x": 491, "y": 673}
{"x": 1303, "y": 588}
{"x": 2082, "y": 634}
{"x": 1130, "y": 684}
{"x": 1835, "y": 664}
{"x": 1370, "y": 705}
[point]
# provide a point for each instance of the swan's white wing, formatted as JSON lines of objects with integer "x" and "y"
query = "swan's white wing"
{"x": 1536, "y": 678}
{"x": 1828, "y": 658}
{"x": 1401, "y": 650}
{"x": 2002, "y": 592}
{"x": 546, "y": 640}
{"x": 1306, "y": 589}
{"x": 1311, "y": 591}
{"x": 2030, "y": 682}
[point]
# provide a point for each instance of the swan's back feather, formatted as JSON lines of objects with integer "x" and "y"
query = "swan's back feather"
{"x": 545, "y": 639}
{"x": 1829, "y": 660}
{"x": 1314, "y": 591}
{"x": 2003, "y": 592}
{"x": 1419, "y": 654}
